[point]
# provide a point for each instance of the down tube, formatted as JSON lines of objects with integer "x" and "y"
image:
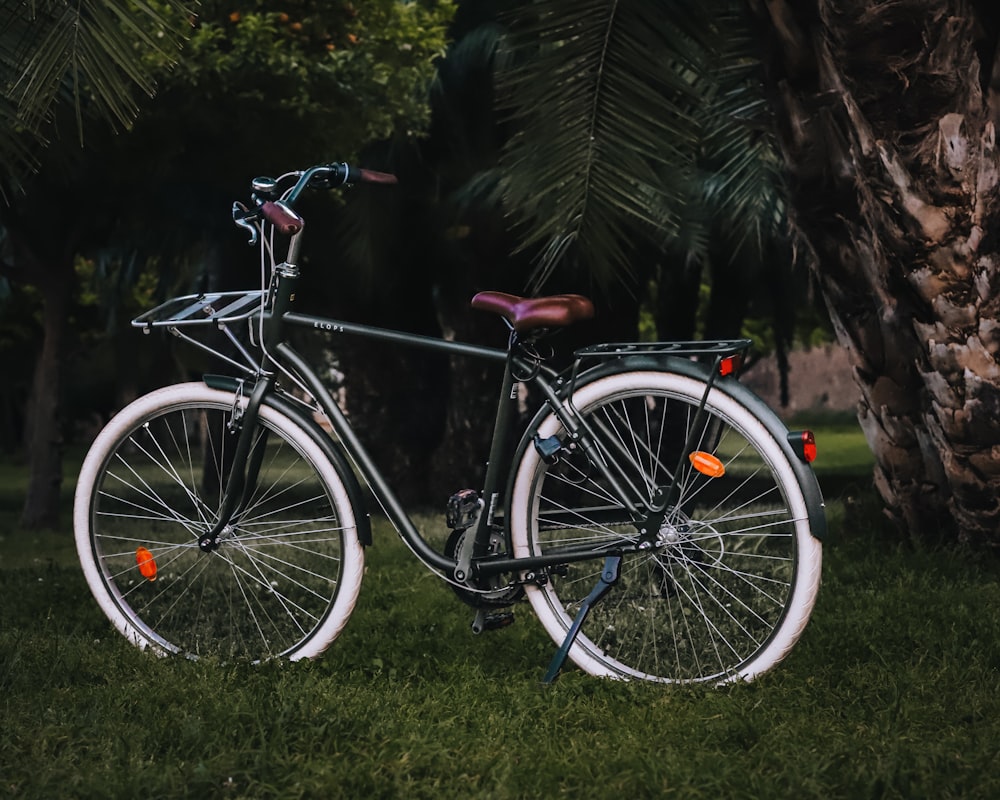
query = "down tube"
{"x": 368, "y": 467}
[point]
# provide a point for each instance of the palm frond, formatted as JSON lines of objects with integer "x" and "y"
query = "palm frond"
{"x": 599, "y": 92}
{"x": 742, "y": 179}
{"x": 97, "y": 54}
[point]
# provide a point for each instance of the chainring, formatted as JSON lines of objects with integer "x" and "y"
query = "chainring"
{"x": 492, "y": 595}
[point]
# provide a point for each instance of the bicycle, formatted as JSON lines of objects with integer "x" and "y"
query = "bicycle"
{"x": 661, "y": 521}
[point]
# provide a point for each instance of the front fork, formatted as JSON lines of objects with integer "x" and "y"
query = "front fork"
{"x": 246, "y": 462}
{"x": 252, "y": 442}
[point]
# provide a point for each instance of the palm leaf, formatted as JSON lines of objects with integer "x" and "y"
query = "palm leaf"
{"x": 94, "y": 53}
{"x": 599, "y": 93}
{"x": 742, "y": 182}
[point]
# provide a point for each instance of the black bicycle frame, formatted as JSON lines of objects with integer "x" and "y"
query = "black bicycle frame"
{"x": 474, "y": 560}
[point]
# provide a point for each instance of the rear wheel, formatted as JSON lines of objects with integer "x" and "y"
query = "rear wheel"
{"x": 728, "y": 584}
{"x": 286, "y": 574}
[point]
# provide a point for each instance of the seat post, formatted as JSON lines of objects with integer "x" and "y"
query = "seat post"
{"x": 506, "y": 404}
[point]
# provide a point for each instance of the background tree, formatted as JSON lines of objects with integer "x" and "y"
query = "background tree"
{"x": 255, "y": 89}
{"x": 888, "y": 115}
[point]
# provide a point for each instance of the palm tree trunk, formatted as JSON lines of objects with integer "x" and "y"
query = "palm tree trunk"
{"x": 888, "y": 114}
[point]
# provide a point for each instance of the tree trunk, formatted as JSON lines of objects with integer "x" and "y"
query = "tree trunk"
{"x": 43, "y": 434}
{"x": 887, "y": 114}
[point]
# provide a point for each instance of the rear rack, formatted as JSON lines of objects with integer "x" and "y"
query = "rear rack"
{"x": 201, "y": 309}
{"x": 714, "y": 350}
{"x": 698, "y": 349}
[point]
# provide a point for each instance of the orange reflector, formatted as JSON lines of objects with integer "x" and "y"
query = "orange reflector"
{"x": 707, "y": 464}
{"x": 146, "y": 562}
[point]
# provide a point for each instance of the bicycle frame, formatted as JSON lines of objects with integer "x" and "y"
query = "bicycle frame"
{"x": 270, "y": 318}
{"x": 472, "y": 559}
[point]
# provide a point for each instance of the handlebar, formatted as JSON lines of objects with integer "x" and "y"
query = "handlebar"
{"x": 330, "y": 176}
{"x": 277, "y": 206}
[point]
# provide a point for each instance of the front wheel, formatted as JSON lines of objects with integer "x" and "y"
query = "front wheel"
{"x": 729, "y": 578}
{"x": 286, "y": 573}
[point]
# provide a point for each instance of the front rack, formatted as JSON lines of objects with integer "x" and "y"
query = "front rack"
{"x": 201, "y": 309}
{"x": 209, "y": 308}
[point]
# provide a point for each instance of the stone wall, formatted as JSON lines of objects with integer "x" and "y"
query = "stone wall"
{"x": 819, "y": 380}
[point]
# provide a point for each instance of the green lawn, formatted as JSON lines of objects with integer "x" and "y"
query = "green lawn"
{"x": 890, "y": 693}
{"x": 842, "y": 451}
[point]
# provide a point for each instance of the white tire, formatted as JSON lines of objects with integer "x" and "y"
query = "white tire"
{"x": 286, "y": 574}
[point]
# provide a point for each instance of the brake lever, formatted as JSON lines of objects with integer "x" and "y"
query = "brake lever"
{"x": 242, "y": 217}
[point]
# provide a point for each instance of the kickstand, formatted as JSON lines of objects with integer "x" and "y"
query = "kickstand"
{"x": 609, "y": 577}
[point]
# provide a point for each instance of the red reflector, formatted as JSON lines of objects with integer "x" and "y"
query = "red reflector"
{"x": 804, "y": 445}
{"x": 808, "y": 446}
{"x": 730, "y": 365}
{"x": 146, "y": 562}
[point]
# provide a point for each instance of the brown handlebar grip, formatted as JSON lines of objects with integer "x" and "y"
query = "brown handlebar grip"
{"x": 282, "y": 217}
{"x": 371, "y": 176}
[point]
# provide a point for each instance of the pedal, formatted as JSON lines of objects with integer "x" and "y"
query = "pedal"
{"x": 461, "y": 510}
{"x": 491, "y": 621}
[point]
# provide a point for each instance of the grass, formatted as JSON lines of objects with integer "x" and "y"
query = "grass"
{"x": 890, "y": 693}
